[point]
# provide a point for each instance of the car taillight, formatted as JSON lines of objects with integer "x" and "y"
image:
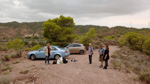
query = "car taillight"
{"x": 66, "y": 51}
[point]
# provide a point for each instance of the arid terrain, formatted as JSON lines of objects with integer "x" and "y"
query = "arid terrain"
{"x": 80, "y": 72}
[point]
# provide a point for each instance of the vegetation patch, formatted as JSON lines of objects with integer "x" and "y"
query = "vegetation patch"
{"x": 128, "y": 61}
{"x": 5, "y": 80}
{"x": 15, "y": 62}
{"x": 24, "y": 72}
{"x": 8, "y": 68}
{"x": 6, "y": 57}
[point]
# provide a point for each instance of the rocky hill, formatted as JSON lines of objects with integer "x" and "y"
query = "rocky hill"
{"x": 16, "y": 29}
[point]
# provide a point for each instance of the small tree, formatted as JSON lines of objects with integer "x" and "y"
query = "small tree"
{"x": 88, "y": 37}
{"x": 59, "y": 31}
{"x": 17, "y": 45}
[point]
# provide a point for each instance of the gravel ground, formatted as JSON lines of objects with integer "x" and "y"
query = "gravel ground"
{"x": 80, "y": 72}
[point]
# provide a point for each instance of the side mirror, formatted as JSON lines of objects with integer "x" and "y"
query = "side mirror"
{"x": 67, "y": 47}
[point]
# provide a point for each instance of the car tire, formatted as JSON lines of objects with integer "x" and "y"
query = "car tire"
{"x": 33, "y": 57}
{"x": 81, "y": 52}
{"x": 57, "y": 57}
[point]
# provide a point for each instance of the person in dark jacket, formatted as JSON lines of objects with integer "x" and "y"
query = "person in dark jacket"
{"x": 106, "y": 56}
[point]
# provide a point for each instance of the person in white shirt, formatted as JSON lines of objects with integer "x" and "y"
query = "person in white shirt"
{"x": 47, "y": 51}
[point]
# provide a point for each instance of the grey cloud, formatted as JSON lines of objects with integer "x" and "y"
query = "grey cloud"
{"x": 32, "y": 10}
{"x": 89, "y": 7}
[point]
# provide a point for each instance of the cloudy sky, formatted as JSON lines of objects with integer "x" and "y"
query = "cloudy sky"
{"x": 135, "y": 13}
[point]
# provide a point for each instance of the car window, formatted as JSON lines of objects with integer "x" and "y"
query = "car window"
{"x": 71, "y": 45}
{"x": 41, "y": 49}
{"x": 77, "y": 45}
{"x": 53, "y": 48}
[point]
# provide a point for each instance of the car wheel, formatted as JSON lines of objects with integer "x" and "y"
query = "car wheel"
{"x": 81, "y": 52}
{"x": 33, "y": 57}
{"x": 57, "y": 57}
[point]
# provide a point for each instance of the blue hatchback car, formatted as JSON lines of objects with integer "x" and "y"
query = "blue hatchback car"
{"x": 56, "y": 53}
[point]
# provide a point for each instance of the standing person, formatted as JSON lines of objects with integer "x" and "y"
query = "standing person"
{"x": 101, "y": 54}
{"x": 47, "y": 51}
{"x": 106, "y": 56}
{"x": 90, "y": 53}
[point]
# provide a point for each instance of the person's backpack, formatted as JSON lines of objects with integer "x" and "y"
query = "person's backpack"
{"x": 55, "y": 62}
{"x": 65, "y": 61}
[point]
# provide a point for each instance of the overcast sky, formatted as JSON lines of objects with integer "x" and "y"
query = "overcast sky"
{"x": 135, "y": 13}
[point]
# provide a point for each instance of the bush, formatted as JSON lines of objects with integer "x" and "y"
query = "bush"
{"x": 113, "y": 37}
{"x": 36, "y": 47}
{"x": 24, "y": 72}
{"x": 15, "y": 62}
{"x": 5, "y": 80}
{"x": 6, "y": 57}
{"x": 145, "y": 77}
{"x": 26, "y": 43}
{"x": 16, "y": 55}
{"x": 35, "y": 37}
{"x": 146, "y": 46}
{"x": 42, "y": 43}
{"x": 7, "y": 68}
{"x": 33, "y": 43}
{"x": 133, "y": 40}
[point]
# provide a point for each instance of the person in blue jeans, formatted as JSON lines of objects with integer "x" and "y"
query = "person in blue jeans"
{"x": 101, "y": 51}
{"x": 106, "y": 56}
{"x": 90, "y": 53}
{"x": 47, "y": 51}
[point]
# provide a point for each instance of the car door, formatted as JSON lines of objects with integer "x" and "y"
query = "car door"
{"x": 77, "y": 48}
{"x": 40, "y": 53}
{"x": 71, "y": 48}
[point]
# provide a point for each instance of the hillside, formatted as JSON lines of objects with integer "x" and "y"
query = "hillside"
{"x": 16, "y": 29}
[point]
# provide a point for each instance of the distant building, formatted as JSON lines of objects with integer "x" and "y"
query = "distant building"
{"x": 28, "y": 35}
{"x": 31, "y": 35}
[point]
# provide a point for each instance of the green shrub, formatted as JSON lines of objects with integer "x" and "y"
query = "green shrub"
{"x": 6, "y": 57}
{"x": 15, "y": 62}
{"x": 16, "y": 55}
{"x": 35, "y": 37}
{"x": 133, "y": 40}
{"x": 113, "y": 37}
{"x": 42, "y": 43}
{"x": 5, "y": 80}
{"x": 24, "y": 72}
{"x": 36, "y": 47}
{"x": 34, "y": 43}
{"x": 145, "y": 77}
{"x": 26, "y": 43}
{"x": 7, "y": 68}
{"x": 146, "y": 46}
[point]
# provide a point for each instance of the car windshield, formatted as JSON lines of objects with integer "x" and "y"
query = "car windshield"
{"x": 41, "y": 49}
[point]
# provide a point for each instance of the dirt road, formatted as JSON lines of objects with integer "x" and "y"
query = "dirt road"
{"x": 80, "y": 72}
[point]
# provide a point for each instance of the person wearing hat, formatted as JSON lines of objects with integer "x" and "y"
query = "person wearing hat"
{"x": 101, "y": 51}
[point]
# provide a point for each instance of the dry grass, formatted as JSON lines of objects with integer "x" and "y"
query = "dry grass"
{"x": 129, "y": 61}
{"x": 5, "y": 80}
{"x": 15, "y": 62}
{"x": 7, "y": 68}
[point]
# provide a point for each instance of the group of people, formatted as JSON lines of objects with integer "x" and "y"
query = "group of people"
{"x": 103, "y": 55}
